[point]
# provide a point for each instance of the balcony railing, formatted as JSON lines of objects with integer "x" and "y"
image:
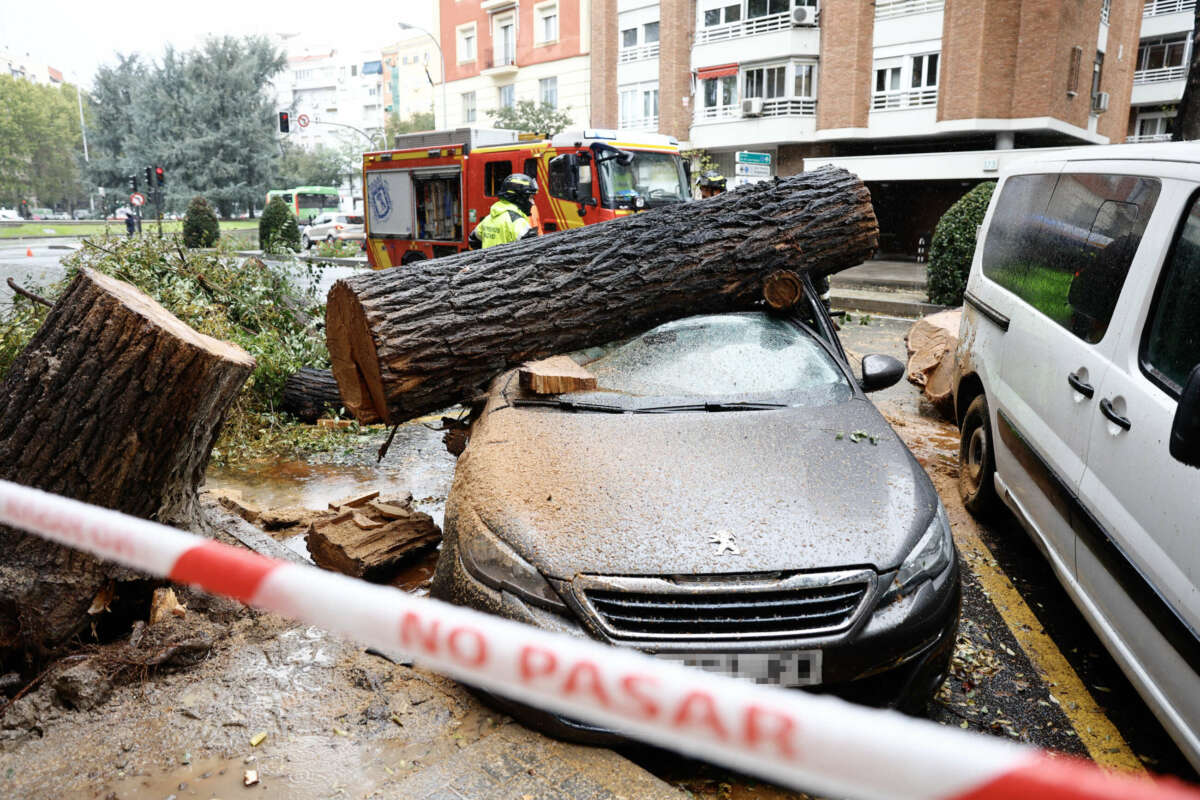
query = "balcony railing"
{"x": 1148, "y": 137}
{"x": 1159, "y": 75}
{"x": 746, "y": 27}
{"x": 779, "y": 107}
{"x": 904, "y": 98}
{"x": 1154, "y": 8}
{"x": 639, "y": 123}
{"x": 627, "y": 55}
{"x": 887, "y": 9}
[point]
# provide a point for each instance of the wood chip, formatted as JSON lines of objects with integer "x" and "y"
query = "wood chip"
{"x": 366, "y": 523}
{"x": 390, "y": 510}
{"x": 165, "y": 604}
{"x": 354, "y": 501}
{"x": 555, "y": 375}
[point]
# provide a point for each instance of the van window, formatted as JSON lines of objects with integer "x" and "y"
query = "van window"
{"x": 1064, "y": 243}
{"x": 1171, "y": 345}
{"x": 494, "y": 174}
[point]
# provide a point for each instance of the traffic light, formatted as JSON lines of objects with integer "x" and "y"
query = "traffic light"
{"x": 283, "y": 121}
{"x": 160, "y": 176}
{"x": 149, "y": 178}
{"x": 133, "y": 183}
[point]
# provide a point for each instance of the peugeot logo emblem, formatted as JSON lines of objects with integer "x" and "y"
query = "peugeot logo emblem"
{"x": 722, "y": 541}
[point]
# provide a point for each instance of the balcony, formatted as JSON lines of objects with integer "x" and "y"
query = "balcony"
{"x": 778, "y": 107}
{"x": 500, "y": 65}
{"x": 628, "y": 55}
{"x": 746, "y": 27}
{"x": 1155, "y": 8}
{"x": 889, "y": 9}
{"x": 1159, "y": 75}
{"x": 904, "y": 98}
{"x": 639, "y": 124}
{"x": 1147, "y": 138}
{"x": 783, "y": 120}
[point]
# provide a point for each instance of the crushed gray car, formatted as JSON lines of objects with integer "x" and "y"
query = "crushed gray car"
{"x": 729, "y": 498}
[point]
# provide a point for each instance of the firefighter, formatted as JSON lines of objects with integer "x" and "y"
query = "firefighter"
{"x": 508, "y": 219}
{"x": 711, "y": 183}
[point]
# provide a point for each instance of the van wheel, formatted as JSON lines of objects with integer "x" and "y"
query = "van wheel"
{"x": 977, "y": 460}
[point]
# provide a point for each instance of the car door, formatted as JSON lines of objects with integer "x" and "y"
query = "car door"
{"x": 1063, "y": 244}
{"x": 1138, "y": 551}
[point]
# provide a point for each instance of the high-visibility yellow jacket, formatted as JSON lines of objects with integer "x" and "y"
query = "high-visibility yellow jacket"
{"x": 504, "y": 223}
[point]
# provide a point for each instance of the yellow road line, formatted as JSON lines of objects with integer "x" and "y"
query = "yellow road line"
{"x": 1104, "y": 743}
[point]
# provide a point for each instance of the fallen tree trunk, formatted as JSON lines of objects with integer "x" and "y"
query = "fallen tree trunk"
{"x": 309, "y": 393}
{"x": 117, "y": 403}
{"x": 405, "y": 342}
{"x": 932, "y": 343}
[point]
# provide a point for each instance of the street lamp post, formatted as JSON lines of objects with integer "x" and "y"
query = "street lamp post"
{"x": 404, "y": 26}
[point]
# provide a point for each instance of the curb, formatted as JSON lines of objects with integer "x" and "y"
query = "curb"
{"x": 881, "y": 304}
{"x": 877, "y": 283}
{"x": 352, "y": 261}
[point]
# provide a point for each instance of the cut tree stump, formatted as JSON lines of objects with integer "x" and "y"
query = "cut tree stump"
{"x": 113, "y": 402}
{"x": 362, "y": 541}
{"x": 406, "y": 342}
{"x": 555, "y": 375}
{"x": 309, "y": 393}
{"x": 932, "y": 343}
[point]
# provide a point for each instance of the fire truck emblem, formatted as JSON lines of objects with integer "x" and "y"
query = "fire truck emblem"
{"x": 381, "y": 198}
{"x": 722, "y": 541}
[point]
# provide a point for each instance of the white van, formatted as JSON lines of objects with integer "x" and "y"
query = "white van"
{"x": 1077, "y": 392}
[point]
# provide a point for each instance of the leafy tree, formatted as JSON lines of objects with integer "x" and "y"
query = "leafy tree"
{"x": 40, "y": 143}
{"x": 420, "y": 121}
{"x": 321, "y": 166}
{"x": 531, "y": 117}
{"x": 200, "y": 226}
{"x": 953, "y": 245}
{"x": 277, "y": 230}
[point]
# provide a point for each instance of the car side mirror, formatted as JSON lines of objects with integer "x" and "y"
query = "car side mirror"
{"x": 880, "y": 372}
{"x": 1185, "y": 431}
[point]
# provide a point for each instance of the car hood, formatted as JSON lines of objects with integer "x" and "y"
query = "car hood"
{"x": 645, "y": 494}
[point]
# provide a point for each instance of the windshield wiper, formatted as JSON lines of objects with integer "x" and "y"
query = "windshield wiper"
{"x": 708, "y": 406}
{"x": 569, "y": 405}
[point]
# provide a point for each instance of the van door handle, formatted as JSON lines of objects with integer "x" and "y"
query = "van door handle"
{"x": 1106, "y": 408}
{"x": 1084, "y": 388}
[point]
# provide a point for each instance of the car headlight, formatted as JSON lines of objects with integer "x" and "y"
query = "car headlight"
{"x": 932, "y": 554}
{"x": 497, "y": 565}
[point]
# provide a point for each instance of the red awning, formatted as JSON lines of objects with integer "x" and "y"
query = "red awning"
{"x": 720, "y": 71}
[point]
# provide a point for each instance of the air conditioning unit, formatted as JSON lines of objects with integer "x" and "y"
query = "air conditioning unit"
{"x": 1100, "y": 102}
{"x": 752, "y": 107}
{"x": 804, "y": 16}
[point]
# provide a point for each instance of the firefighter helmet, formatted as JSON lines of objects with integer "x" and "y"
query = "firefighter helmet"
{"x": 518, "y": 186}
{"x": 712, "y": 180}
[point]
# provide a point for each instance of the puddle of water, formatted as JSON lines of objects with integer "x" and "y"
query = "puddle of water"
{"x": 297, "y": 483}
{"x": 414, "y": 576}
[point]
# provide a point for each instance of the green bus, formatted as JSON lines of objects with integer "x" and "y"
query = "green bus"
{"x": 307, "y": 202}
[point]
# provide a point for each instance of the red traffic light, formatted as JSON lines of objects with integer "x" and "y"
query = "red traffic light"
{"x": 283, "y": 122}
{"x": 160, "y": 175}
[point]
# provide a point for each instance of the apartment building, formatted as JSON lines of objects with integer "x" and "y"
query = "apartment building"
{"x": 412, "y": 77}
{"x": 22, "y": 65}
{"x": 339, "y": 92}
{"x": 499, "y": 52}
{"x": 1161, "y": 68}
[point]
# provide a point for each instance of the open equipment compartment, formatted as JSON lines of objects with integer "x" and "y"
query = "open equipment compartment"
{"x": 438, "y": 201}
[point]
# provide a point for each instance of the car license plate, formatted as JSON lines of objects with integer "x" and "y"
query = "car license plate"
{"x": 794, "y": 668}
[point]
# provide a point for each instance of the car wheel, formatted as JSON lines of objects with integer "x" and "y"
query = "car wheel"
{"x": 329, "y": 239}
{"x": 306, "y": 242}
{"x": 977, "y": 459}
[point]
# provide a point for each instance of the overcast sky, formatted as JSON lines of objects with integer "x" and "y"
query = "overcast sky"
{"x": 77, "y": 37}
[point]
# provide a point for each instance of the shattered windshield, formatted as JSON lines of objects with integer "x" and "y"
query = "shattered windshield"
{"x": 655, "y": 177}
{"x": 726, "y": 356}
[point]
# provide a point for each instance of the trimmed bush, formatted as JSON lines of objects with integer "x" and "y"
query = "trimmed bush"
{"x": 200, "y": 226}
{"x": 953, "y": 246}
{"x": 277, "y": 230}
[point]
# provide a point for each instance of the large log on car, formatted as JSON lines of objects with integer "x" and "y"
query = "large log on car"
{"x": 407, "y": 341}
{"x": 113, "y": 402}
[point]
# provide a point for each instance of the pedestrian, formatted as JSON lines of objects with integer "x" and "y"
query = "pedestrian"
{"x": 130, "y": 224}
{"x": 508, "y": 219}
{"x": 711, "y": 183}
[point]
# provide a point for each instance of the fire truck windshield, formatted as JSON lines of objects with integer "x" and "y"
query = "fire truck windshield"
{"x": 657, "y": 178}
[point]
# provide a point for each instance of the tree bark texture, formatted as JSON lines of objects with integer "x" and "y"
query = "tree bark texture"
{"x": 309, "y": 392}
{"x": 408, "y": 341}
{"x": 114, "y": 402}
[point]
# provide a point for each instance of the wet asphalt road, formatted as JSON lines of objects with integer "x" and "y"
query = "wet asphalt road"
{"x": 41, "y": 268}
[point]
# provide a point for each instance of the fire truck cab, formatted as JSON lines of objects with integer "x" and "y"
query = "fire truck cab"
{"x": 424, "y": 198}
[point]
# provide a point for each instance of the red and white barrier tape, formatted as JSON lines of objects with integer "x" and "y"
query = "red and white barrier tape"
{"x": 809, "y": 742}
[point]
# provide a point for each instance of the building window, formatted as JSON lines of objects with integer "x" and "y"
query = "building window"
{"x": 506, "y": 97}
{"x": 1163, "y": 52}
{"x": 505, "y": 46}
{"x": 547, "y": 23}
{"x": 353, "y": 70}
{"x": 639, "y": 106}
{"x": 1097, "y": 74}
{"x": 887, "y": 79}
{"x": 650, "y": 32}
{"x": 629, "y": 37}
{"x": 466, "y": 44}
{"x": 720, "y": 91}
{"x": 372, "y": 68}
{"x": 805, "y": 84}
{"x": 763, "y": 8}
{"x": 468, "y": 106}
{"x": 722, "y": 16}
{"x": 548, "y": 91}
{"x": 765, "y": 82}
{"x": 918, "y": 73}
{"x": 924, "y": 71}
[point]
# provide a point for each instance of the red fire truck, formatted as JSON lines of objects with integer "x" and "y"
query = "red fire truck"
{"x": 424, "y": 198}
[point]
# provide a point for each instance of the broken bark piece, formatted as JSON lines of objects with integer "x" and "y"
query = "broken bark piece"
{"x": 392, "y": 510}
{"x": 354, "y": 501}
{"x": 273, "y": 519}
{"x": 233, "y": 500}
{"x": 555, "y": 375}
{"x": 309, "y": 393}
{"x": 409, "y": 342}
{"x": 932, "y": 345}
{"x": 117, "y": 403}
{"x": 783, "y": 289}
{"x": 336, "y": 424}
{"x": 456, "y": 440}
{"x": 165, "y": 604}
{"x": 347, "y": 548}
{"x": 366, "y": 523}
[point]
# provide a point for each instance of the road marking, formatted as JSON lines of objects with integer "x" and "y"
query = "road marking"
{"x": 1104, "y": 743}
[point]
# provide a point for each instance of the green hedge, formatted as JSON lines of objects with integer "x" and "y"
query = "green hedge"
{"x": 277, "y": 230}
{"x": 200, "y": 226}
{"x": 953, "y": 246}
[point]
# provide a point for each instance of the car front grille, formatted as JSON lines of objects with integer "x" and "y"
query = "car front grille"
{"x": 666, "y": 609}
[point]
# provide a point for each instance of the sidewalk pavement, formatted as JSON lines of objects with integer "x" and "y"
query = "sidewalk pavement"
{"x": 894, "y": 288}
